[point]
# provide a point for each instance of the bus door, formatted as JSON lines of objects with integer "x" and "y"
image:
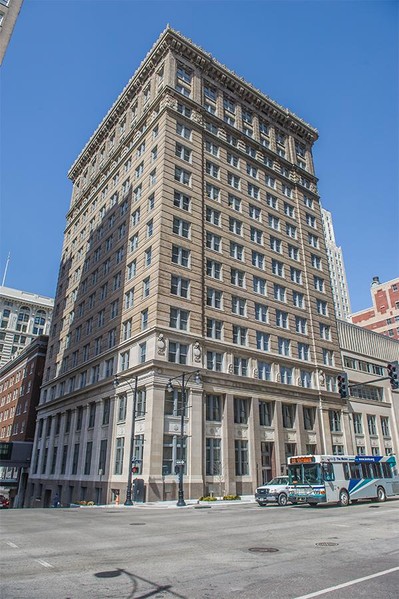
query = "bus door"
{"x": 328, "y": 476}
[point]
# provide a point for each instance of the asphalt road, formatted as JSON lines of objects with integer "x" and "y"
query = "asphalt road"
{"x": 222, "y": 552}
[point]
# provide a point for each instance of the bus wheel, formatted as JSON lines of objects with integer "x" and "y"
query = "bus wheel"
{"x": 343, "y": 498}
{"x": 282, "y": 499}
{"x": 381, "y": 495}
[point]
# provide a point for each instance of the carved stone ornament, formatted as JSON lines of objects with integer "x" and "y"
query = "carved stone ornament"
{"x": 256, "y": 373}
{"x": 197, "y": 352}
{"x": 230, "y": 369}
{"x": 322, "y": 378}
{"x": 161, "y": 345}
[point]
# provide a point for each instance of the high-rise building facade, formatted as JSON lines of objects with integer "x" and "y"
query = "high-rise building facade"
{"x": 194, "y": 241}
{"x": 383, "y": 316}
{"x": 9, "y": 10}
{"x": 336, "y": 267}
{"x": 23, "y": 317}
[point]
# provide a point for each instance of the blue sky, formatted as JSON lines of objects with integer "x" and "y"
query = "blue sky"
{"x": 334, "y": 64}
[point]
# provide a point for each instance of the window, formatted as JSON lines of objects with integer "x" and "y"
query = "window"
{"x": 256, "y": 235}
{"x": 277, "y": 268}
{"x": 303, "y": 351}
{"x": 311, "y": 220}
{"x": 258, "y": 259}
{"x": 289, "y": 413}
{"x": 236, "y": 251}
{"x": 213, "y": 242}
{"x": 214, "y": 328}
{"x": 182, "y": 176}
{"x": 240, "y": 366}
{"x": 282, "y": 319}
{"x": 274, "y": 222}
{"x": 213, "y": 216}
{"x": 241, "y": 457}
{"x": 325, "y": 331}
{"x": 301, "y": 325}
{"x": 212, "y": 192}
{"x": 284, "y": 346}
{"x": 183, "y": 130}
{"x": 237, "y": 277}
{"x": 241, "y": 410}
{"x": 179, "y": 286}
{"x": 235, "y": 226}
{"x": 385, "y": 426}
{"x": 184, "y": 110}
{"x": 144, "y": 319}
{"x": 279, "y": 293}
{"x": 318, "y": 283}
{"x": 321, "y": 306}
{"x": 328, "y": 357}
{"x": 233, "y": 160}
{"x": 146, "y": 287}
{"x": 214, "y": 361}
{"x": 371, "y": 424}
{"x": 213, "y": 269}
{"x": 272, "y": 201}
{"x": 291, "y": 231}
{"x": 313, "y": 240}
{"x": 259, "y": 285}
{"x": 253, "y": 191}
{"x": 181, "y": 227}
{"x": 180, "y": 256}
{"x": 183, "y": 152}
{"x": 286, "y": 375}
{"x": 275, "y": 244}
{"x": 238, "y": 305}
{"x": 262, "y": 341}
{"x": 119, "y": 451}
{"x": 255, "y": 212}
{"x": 233, "y": 180}
{"x": 177, "y": 353}
{"x": 270, "y": 181}
{"x": 212, "y": 148}
{"x": 316, "y": 261}
{"x": 179, "y": 319}
{"x": 357, "y": 423}
{"x": 309, "y": 417}
{"x": 129, "y": 298}
{"x": 240, "y": 335}
{"x": 265, "y": 413}
{"x": 261, "y": 312}
{"x": 180, "y": 200}
{"x": 335, "y": 421}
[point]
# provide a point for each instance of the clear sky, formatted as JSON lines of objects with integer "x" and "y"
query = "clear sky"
{"x": 333, "y": 63}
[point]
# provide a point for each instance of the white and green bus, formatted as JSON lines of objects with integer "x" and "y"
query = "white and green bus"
{"x": 341, "y": 479}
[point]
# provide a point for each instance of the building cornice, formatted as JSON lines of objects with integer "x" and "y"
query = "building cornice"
{"x": 176, "y": 42}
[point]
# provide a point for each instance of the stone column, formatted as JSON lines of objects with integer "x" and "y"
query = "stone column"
{"x": 195, "y": 444}
{"x": 228, "y": 446}
{"x": 153, "y": 441}
{"x": 254, "y": 442}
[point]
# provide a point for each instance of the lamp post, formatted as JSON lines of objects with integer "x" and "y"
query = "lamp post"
{"x": 185, "y": 378}
{"x": 128, "y": 500}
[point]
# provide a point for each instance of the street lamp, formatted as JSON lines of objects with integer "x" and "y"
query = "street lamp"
{"x": 185, "y": 377}
{"x": 128, "y": 500}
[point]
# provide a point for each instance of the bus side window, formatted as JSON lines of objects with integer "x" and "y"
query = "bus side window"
{"x": 366, "y": 470}
{"x": 356, "y": 470}
{"x": 377, "y": 470}
{"x": 346, "y": 470}
{"x": 386, "y": 470}
{"x": 328, "y": 472}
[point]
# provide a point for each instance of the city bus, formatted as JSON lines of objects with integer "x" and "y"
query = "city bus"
{"x": 341, "y": 479}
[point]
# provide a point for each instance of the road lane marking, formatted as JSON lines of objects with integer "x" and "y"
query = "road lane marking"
{"x": 11, "y": 544}
{"x": 348, "y": 584}
{"x": 45, "y": 564}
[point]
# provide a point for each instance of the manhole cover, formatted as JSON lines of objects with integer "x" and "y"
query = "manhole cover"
{"x": 109, "y": 574}
{"x": 263, "y": 549}
{"x": 137, "y": 524}
{"x": 326, "y": 544}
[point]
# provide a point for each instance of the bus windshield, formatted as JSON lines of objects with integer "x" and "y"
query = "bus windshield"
{"x": 305, "y": 474}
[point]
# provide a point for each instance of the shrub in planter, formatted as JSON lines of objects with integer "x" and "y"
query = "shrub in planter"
{"x": 231, "y": 497}
{"x": 208, "y": 498}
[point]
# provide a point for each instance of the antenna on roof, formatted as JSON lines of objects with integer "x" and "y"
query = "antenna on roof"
{"x": 6, "y": 268}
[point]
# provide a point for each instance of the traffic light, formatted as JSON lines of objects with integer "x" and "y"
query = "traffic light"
{"x": 393, "y": 370}
{"x": 135, "y": 469}
{"x": 343, "y": 385}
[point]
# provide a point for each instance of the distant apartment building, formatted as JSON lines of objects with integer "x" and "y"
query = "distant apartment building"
{"x": 20, "y": 381}
{"x": 193, "y": 242}
{"x": 373, "y": 408}
{"x": 9, "y": 10}
{"x": 383, "y": 316}
{"x": 336, "y": 267}
{"x": 23, "y": 317}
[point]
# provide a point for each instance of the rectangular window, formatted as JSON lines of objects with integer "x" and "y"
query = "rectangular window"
{"x": 119, "y": 451}
{"x": 289, "y": 413}
{"x": 241, "y": 457}
{"x": 214, "y": 408}
{"x": 213, "y": 457}
{"x": 335, "y": 421}
{"x": 265, "y": 413}
{"x": 214, "y": 361}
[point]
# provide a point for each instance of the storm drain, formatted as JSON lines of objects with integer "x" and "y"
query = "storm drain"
{"x": 263, "y": 550}
{"x": 108, "y": 574}
{"x": 326, "y": 544}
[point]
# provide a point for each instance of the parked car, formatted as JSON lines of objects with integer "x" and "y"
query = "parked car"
{"x": 275, "y": 491}
{"x": 4, "y": 502}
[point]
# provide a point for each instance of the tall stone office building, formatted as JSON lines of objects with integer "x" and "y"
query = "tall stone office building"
{"x": 193, "y": 241}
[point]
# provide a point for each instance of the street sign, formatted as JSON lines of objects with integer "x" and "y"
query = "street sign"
{"x": 180, "y": 462}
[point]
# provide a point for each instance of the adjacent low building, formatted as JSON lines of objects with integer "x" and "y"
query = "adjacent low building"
{"x": 383, "y": 315}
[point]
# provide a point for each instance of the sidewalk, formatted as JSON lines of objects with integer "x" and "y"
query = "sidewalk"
{"x": 190, "y": 503}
